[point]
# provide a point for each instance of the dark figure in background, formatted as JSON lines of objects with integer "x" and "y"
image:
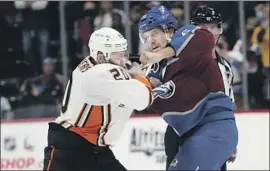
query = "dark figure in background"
{"x": 35, "y": 33}
{"x": 117, "y": 24}
{"x": 259, "y": 79}
{"x": 46, "y": 88}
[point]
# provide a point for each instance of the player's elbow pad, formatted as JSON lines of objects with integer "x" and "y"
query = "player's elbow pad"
{"x": 143, "y": 101}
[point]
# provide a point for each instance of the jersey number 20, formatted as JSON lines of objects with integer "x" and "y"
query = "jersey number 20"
{"x": 120, "y": 74}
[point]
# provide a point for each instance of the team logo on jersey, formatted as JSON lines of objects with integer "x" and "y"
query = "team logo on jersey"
{"x": 153, "y": 70}
{"x": 164, "y": 91}
{"x": 162, "y": 9}
{"x": 185, "y": 32}
{"x": 174, "y": 163}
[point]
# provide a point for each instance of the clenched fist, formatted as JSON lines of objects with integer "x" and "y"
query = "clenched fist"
{"x": 154, "y": 57}
{"x": 150, "y": 58}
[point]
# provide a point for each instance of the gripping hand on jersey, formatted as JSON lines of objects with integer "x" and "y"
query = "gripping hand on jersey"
{"x": 136, "y": 70}
{"x": 148, "y": 70}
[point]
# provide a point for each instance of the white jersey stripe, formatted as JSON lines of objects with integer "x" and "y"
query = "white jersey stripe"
{"x": 66, "y": 125}
{"x": 84, "y": 116}
{"x": 105, "y": 122}
{"x": 80, "y": 114}
{"x": 227, "y": 76}
{"x": 88, "y": 115}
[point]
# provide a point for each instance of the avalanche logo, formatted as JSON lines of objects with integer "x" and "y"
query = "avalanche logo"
{"x": 164, "y": 91}
{"x": 152, "y": 70}
{"x": 155, "y": 68}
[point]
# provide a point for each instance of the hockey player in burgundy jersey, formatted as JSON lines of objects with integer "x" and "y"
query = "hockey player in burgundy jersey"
{"x": 192, "y": 100}
{"x": 209, "y": 17}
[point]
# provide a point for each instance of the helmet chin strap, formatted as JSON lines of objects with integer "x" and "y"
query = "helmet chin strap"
{"x": 168, "y": 37}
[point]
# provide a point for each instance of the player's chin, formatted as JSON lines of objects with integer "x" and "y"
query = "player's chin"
{"x": 156, "y": 49}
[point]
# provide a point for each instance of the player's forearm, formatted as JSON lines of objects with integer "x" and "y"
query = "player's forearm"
{"x": 166, "y": 53}
{"x": 135, "y": 93}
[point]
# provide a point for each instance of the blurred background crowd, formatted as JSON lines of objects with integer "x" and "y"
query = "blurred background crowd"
{"x": 31, "y": 65}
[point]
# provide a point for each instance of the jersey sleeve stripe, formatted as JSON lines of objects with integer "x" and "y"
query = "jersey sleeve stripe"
{"x": 80, "y": 115}
{"x": 62, "y": 122}
{"x": 66, "y": 125}
{"x": 107, "y": 115}
{"x": 150, "y": 97}
{"x": 100, "y": 128}
{"x": 85, "y": 115}
{"x": 88, "y": 115}
{"x": 104, "y": 128}
{"x": 145, "y": 81}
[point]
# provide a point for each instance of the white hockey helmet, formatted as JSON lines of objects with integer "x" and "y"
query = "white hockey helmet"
{"x": 106, "y": 40}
